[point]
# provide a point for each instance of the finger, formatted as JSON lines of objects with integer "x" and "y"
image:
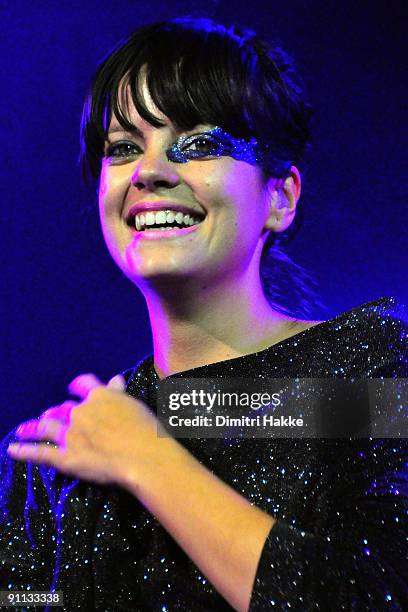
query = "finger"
{"x": 83, "y": 384}
{"x": 117, "y": 382}
{"x": 43, "y": 429}
{"x": 38, "y": 453}
{"x": 61, "y": 412}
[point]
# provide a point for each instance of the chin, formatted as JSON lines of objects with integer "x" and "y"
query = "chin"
{"x": 151, "y": 273}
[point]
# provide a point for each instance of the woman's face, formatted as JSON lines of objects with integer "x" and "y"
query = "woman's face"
{"x": 229, "y": 197}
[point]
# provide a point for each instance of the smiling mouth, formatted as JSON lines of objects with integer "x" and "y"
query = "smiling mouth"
{"x": 163, "y": 220}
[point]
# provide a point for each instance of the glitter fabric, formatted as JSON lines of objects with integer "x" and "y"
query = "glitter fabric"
{"x": 219, "y": 143}
{"x": 340, "y": 540}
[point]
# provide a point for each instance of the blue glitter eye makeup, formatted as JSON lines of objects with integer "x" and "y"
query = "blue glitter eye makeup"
{"x": 195, "y": 146}
{"x": 217, "y": 143}
{"x": 214, "y": 143}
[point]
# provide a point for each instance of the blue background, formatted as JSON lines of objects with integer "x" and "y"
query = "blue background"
{"x": 65, "y": 308}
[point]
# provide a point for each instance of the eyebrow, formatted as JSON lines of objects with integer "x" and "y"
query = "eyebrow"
{"x": 119, "y": 128}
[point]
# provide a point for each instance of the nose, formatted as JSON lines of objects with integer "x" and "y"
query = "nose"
{"x": 155, "y": 171}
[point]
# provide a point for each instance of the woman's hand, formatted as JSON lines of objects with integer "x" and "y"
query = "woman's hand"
{"x": 108, "y": 437}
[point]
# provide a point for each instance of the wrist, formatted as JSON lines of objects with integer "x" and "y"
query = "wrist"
{"x": 159, "y": 461}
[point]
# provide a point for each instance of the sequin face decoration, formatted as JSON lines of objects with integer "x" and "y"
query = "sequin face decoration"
{"x": 217, "y": 143}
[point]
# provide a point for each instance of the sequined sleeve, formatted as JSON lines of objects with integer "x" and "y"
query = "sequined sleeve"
{"x": 27, "y": 535}
{"x": 356, "y": 558}
{"x": 46, "y": 529}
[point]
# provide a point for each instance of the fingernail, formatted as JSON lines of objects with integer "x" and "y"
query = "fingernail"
{"x": 117, "y": 382}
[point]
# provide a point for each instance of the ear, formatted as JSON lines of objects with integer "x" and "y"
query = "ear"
{"x": 282, "y": 195}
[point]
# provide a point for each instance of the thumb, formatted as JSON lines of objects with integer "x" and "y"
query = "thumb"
{"x": 117, "y": 382}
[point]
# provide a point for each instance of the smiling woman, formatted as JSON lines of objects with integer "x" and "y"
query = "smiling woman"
{"x": 186, "y": 82}
{"x": 196, "y": 134}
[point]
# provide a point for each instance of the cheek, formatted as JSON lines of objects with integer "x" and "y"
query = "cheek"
{"x": 234, "y": 192}
{"x": 227, "y": 179}
{"x": 243, "y": 183}
{"x": 113, "y": 187}
{"x": 222, "y": 181}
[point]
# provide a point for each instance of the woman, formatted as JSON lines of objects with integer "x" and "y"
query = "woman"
{"x": 202, "y": 129}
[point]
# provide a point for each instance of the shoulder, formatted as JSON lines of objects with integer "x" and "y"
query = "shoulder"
{"x": 387, "y": 323}
{"x": 384, "y": 322}
{"x": 140, "y": 367}
{"x": 138, "y": 376}
{"x": 375, "y": 335}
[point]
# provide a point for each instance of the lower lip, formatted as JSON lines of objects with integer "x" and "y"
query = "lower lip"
{"x": 163, "y": 234}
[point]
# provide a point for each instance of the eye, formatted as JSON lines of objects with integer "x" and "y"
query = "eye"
{"x": 201, "y": 145}
{"x": 122, "y": 150}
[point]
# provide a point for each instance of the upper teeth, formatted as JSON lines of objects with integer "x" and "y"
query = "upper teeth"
{"x": 163, "y": 216}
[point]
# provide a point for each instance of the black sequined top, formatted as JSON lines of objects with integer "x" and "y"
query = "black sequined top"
{"x": 340, "y": 540}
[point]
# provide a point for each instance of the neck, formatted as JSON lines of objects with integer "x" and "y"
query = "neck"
{"x": 194, "y": 326}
